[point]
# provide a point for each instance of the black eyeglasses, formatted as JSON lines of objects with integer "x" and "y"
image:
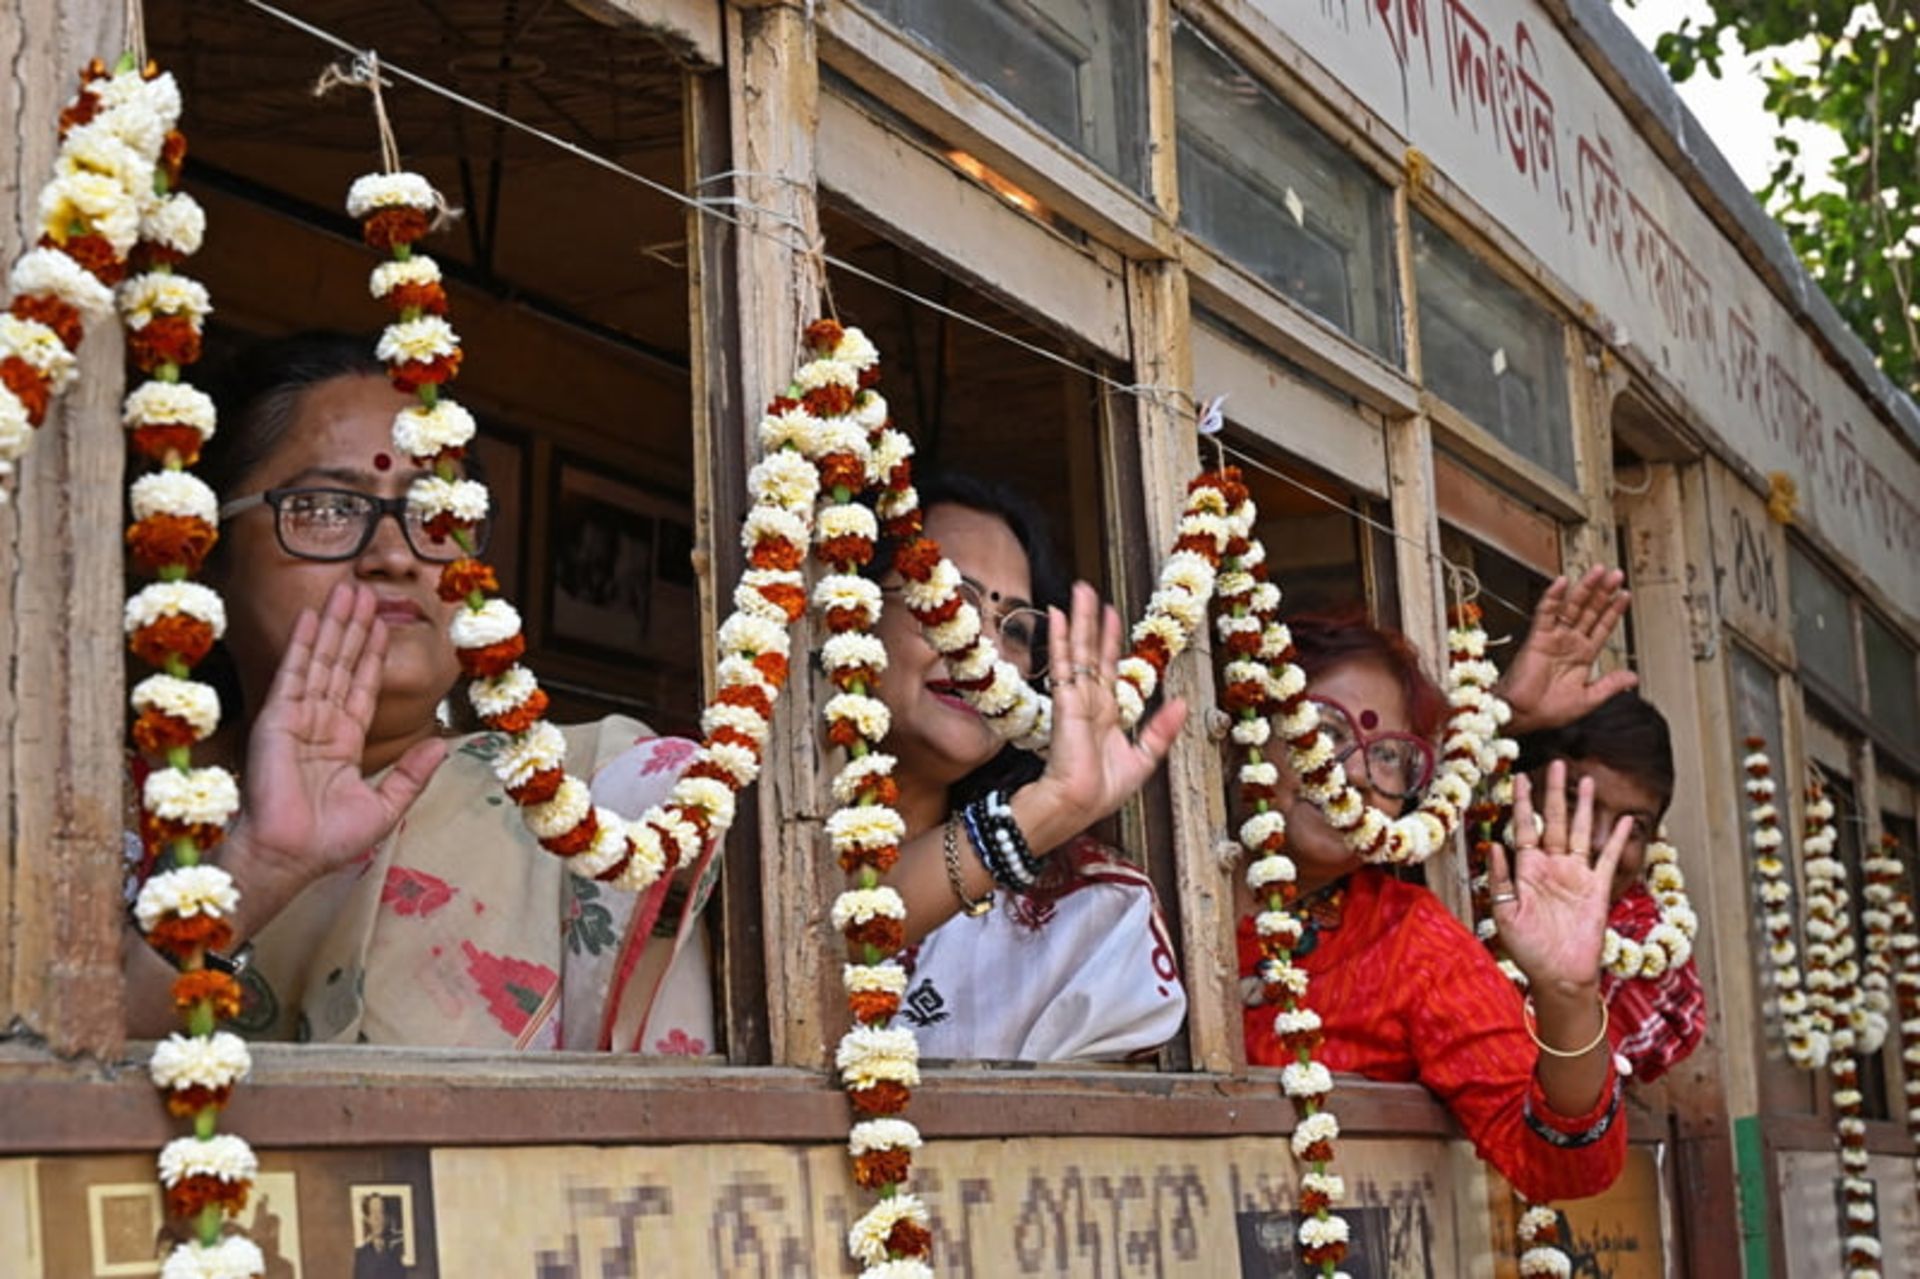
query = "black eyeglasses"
{"x": 331, "y": 524}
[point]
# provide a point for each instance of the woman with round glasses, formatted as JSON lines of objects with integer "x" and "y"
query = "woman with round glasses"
{"x": 388, "y": 893}
{"x": 1075, "y": 964}
{"x": 1403, "y": 990}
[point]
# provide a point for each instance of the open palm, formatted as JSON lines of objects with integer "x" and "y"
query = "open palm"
{"x": 1551, "y": 682}
{"x": 1551, "y": 899}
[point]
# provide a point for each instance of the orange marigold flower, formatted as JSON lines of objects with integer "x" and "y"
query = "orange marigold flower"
{"x": 850, "y": 549}
{"x": 619, "y": 867}
{"x": 883, "y": 934}
{"x": 34, "y": 392}
{"x": 577, "y": 840}
{"x": 873, "y": 1006}
{"x": 1153, "y": 650}
{"x": 846, "y": 678}
{"x": 776, "y": 553}
{"x": 1200, "y": 544}
{"x": 774, "y": 667}
{"x": 190, "y": 1195}
{"x": 843, "y": 734}
{"x": 712, "y": 771}
{"x": 164, "y": 440}
{"x": 539, "y": 788}
{"x": 175, "y": 635}
{"x": 163, "y": 540}
{"x": 523, "y": 716}
{"x": 204, "y": 984}
{"x": 385, "y": 228}
{"x": 1243, "y": 643}
{"x": 63, "y": 319}
{"x": 831, "y": 400}
{"x": 94, "y": 255}
{"x": 879, "y": 1168}
{"x": 183, "y": 1103}
{"x": 150, "y": 254}
{"x": 842, "y": 470}
{"x": 491, "y": 659}
{"x": 1302, "y": 1041}
{"x": 1320, "y": 1152}
{"x": 903, "y": 528}
{"x": 695, "y": 816}
{"x": 1255, "y": 792}
{"x": 881, "y": 858}
{"x": 156, "y": 733}
{"x": 1244, "y": 695}
{"x": 429, "y": 298}
{"x": 182, "y": 935}
{"x": 856, "y": 617}
{"x": 734, "y": 737}
{"x": 909, "y": 1239}
{"x": 160, "y": 833}
{"x": 165, "y": 339}
{"x": 465, "y": 576}
{"x": 173, "y": 154}
{"x": 441, "y": 528}
{"x": 414, "y": 374}
{"x": 882, "y": 1098}
{"x": 824, "y": 335}
{"x": 80, "y": 111}
{"x": 870, "y": 377}
{"x": 750, "y": 696}
{"x": 1324, "y": 1254}
{"x": 791, "y": 600}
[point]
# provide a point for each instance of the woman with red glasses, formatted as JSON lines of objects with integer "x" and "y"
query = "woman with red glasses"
{"x": 1404, "y": 991}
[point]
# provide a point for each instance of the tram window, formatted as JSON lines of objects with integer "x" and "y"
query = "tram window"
{"x": 1316, "y": 536}
{"x": 577, "y": 367}
{"x": 1491, "y": 352}
{"x": 1509, "y": 589}
{"x": 1890, "y": 683}
{"x": 1822, "y": 624}
{"x": 1077, "y": 68}
{"x": 1262, "y": 185}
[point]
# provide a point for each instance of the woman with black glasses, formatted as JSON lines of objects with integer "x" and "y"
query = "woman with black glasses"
{"x": 389, "y": 894}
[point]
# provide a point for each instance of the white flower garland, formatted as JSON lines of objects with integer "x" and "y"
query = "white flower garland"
{"x": 100, "y": 201}
{"x": 1774, "y": 890}
{"x": 1905, "y": 944}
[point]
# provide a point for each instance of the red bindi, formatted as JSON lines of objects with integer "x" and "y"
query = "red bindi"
{"x": 1369, "y": 721}
{"x": 381, "y": 462}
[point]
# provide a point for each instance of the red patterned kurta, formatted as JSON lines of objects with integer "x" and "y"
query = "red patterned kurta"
{"x": 1656, "y": 1021}
{"x": 1406, "y": 994}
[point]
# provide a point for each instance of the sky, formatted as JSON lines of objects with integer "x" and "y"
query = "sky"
{"x": 1732, "y": 108}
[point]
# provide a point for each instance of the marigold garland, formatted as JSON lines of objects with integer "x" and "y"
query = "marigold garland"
{"x": 1774, "y": 890}
{"x": 107, "y": 195}
{"x": 171, "y": 622}
{"x": 1905, "y": 944}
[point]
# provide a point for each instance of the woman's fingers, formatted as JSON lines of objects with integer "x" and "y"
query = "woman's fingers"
{"x": 1086, "y": 632}
{"x": 1524, "y": 824}
{"x": 364, "y": 692}
{"x": 1157, "y": 735}
{"x": 1500, "y": 894}
{"x": 290, "y": 678}
{"x": 1608, "y": 862}
{"x": 407, "y": 778}
{"x": 1554, "y": 838}
{"x": 1580, "y": 835}
{"x": 353, "y": 641}
{"x": 1059, "y": 656}
{"x": 1111, "y": 630}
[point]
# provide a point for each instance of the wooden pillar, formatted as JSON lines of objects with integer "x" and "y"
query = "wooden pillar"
{"x": 62, "y": 703}
{"x": 773, "y": 92}
{"x": 1670, "y": 563}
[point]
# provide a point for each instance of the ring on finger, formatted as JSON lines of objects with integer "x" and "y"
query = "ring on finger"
{"x": 1501, "y": 899}
{"x": 1081, "y": 668}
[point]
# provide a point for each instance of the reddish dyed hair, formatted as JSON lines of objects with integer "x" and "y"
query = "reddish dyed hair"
{"x": 1328, "y": 639}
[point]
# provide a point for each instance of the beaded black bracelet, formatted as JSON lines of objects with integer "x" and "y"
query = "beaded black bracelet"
{"x": 1002, "y": 844}
{"x": 986, "y": 850}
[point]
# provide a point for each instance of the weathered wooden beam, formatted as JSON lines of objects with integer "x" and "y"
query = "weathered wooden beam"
{"x": 691, "y": 29}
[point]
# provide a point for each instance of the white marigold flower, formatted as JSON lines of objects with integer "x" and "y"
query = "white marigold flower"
{"x": 786, "y": 480}
{"x": 417, "y": 341}
{"x": 97, "y": 149}
{"x": 219, "y": 1060}
{"x": 876, "y": 979}
{"x": 1538, "y": 1221}
{"x": 1759, "y": 787}
{"x": 178, "y": 493}
{"x": 1320, "y": 1232}
{"x": 1345, "y": 808}
{"x": 1232, "y": 582}
{"x": 51, "y": 273}
{"x": 853, "y": 650}
{"x": 648, "y": 860}
{"x": 870, "y": 415}
{"x": 794, "y": 429}
{"x": 1288, "y": 977}
{"x": 1277, "y": 923}
{"x": 177, "y": 223}
{"x": 417, "y": 271}
{"x": 848, "y": 591}
{"x": 39, "y": 347}
{"x": 157, "y": 293}
{"x": 234, "y": 1257}
{"x": 195, "y": 796}
{"x": 856, "y": 349}
{"x": 1251, "y": 732}
{"x": 863, "y": 827}
{"x": 1306, "y": 1079}
{"x": 1486, "y": 929}
{"x": 1266, "y": 871}
{"x": 1296, "y": 1021}
{"x": 959, "y": 632}
{"x": 859, "y": 774}
{"x": 842, "y": 435}
{"x": 185, "y": 891}
{"x": 859, "y": 905}
{"x": 194, "y": 704}
{"x": 872, "y": 1135}
{"x": 169, "y": 403}
{"x": 159, "y": 97}
{"x": 712, "y": 796}
{"x": 749, "y": 599}
{"x": 1131, "y": 701}
{"x": 1226, "y": 626}
{"x": 1654, "y": 959}
{"x": 1156, "y": 626}
{"x": 500, "y": 694}
{"x": 847, "y": 519}
{"x": 940, "y": 586}
{"x": 815, "y": 374}
{"x": 494, "y": 622}
{"x": 867, "y": 1238}
{"x": 1331, "y": 1185}
{"x": 741, "y": 719}
{"x": 735, "y": 671}
{"x": 1470, "y": 641}
{"x": 608, "y": 849}
{"x": 772, "y": 523}
{"x": 735, "y": 760}
{"x": 1260, "y": 827}
{"x": 390, "y": 191}
{"x": 419, "y": 431}
{"x": 1141, "y": 674}
{"x": 223, "y": 1156}
{"x": 870, "y": 1054}
{"x": 1550, "y": 1263}
{"x": 868, "y": 715}
{"x": 462, "y": 500}
{"x": 569, "y": 807}
{"x": 1189, "y": 572}
{"x": 1202, "y": 524}
{"x": 1319, "y": 752}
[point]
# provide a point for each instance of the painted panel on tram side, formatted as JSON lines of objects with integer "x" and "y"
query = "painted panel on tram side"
{"x": 1750, "y": 564}
{"x": 1617, "y": 1234}
{"x": 1810, "y": 1214}
{"x": 1502, "y": 104}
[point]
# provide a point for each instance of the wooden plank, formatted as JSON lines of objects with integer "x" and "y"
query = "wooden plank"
{"x": 1593, "y": 380}
{"x": 773, "y": 112}
{"x": 1496, "y": 460}
{"x": 691, "y": 29}
{"x": 1301, "y": 419}
{"x": 1309, "y": 341}
{"x": 930, "y": 207}
{"x": 1474, "y": 505}
{"x": 1163, "y": 176}
{"x": 923, "y": 87}
{"x": 1157, "y": 299}
{"x": 61, "y": 593}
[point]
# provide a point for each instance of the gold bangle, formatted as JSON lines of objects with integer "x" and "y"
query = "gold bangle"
{"x": 972, "y": 907}
{"x": 1533, "y": 1033}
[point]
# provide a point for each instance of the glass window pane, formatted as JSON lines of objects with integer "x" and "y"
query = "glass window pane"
{"x": 1076, "y": 68}
{"x": 1268, "y": 190}
{"x": 1821, "y": 635}
{"x": 1890, "y": 683}
{"x": 1491, "y": 352}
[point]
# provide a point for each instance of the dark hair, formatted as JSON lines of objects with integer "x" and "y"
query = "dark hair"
{"x": 1346, "y": 634}
{"x": 257, "y": 393}
{"x": 1012, "y": 767}
{"x": 1627, "y": 733}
